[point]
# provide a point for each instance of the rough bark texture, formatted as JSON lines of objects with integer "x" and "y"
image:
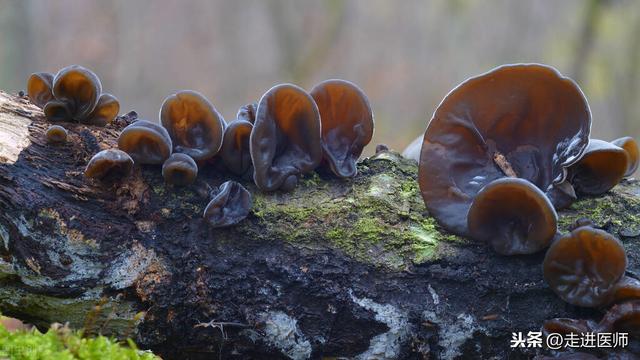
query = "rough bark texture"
{"x": 351, "y": 268}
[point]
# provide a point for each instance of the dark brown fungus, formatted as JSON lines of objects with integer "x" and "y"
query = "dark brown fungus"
{"x": 229, "y": 206}
{"x": 179, "y": 169}
{"x": 146, "y": 142}
{"x": 285, "y": 141}
{"x": 626, "y": 289}
{"x": 584, "y": 266}
{"x": 623, "y": 317}
{"x": 247, "y": 112}
{"x": 109, "y": 165}
{"x": 39, "y": 88}
{"x": 105, "y": 111}
{"x": 601, "y": 168}
{"x": 194, "y": 125}
{"x": 347, "y": 124}
{"x": 73, "y": 94}
{"x": 633, "y": 153}
{"x": 523, "y": 120}
{"x": 514, "y": 216}
{"x": 79, "y": 88}
{"x": 56, "y": 134}
{"x": 235, "y": 147}
{"x": 566, "y": 326}
{"x": 562, "y": 195}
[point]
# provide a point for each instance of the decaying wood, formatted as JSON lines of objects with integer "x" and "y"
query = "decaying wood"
{"x": 351, "y": 268}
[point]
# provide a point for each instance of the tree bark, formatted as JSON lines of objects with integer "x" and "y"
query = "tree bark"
{"x": 336, "y": 268}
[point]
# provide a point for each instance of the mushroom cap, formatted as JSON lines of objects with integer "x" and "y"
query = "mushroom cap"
{"x": 146, "y": 142}
{"x": 633, "y": 153}
{"x": 39, "y": 88}
{"x": 179, "y": 169}
{"x": 601, "y": 168}
{"x": 193, "y": 123}
{"x": 79, "y": 88}
{"x": 235, "y": 146}
{"x": 623, "y": 317}
{"x": 532, "y": 116}
{"x": 626, "y": 289}
{"x": 562, "y": 195}
{"x": 514, "y": 216}
{"x": 347, "y": 124}
{"x": 56, "y": 110}
{"x": 105, "y": 111}
{"x": 109, "y": 165}
{"x": 247, "y": 112}
{"x": 584, "y": 266}
{"x": 56, "y": 134}
{"x": 285, "y": 141}
{"x": 229, "y": 206}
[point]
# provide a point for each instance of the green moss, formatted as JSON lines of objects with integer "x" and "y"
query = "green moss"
{"x": 61, "y": 343}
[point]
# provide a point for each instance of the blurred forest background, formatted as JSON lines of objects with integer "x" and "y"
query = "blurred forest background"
{"x": 406, "y": 55}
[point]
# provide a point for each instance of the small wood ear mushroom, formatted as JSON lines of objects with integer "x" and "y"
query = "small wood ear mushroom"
{"x": 584, "y": 266}
{"x": 633, "y": 153}
{"x": 109, "y": 165}
{"x": 285, "y": 141}
{"x": 525, "y": 121}
{"x": 39, "y": 88}
{"x": 194, "y": 125}
{"x": 623, "y": 317}
{"x": 514, "y": 216}
{"x": 235, "y": 151}
{"x": 601, "y": 168}
{"x": 56, "y": 134}
{"x": 247, "y": 112}
{"x": 179, "y": 169}
{"x": 347, "y": 124}
{"x": 229, "y": 206}
{"x": 146, "y": 142}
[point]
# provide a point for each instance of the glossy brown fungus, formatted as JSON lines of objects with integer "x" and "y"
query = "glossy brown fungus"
{"x": 623, "y": 317}
{"x": 56, "y": 134}
{"x": 247, "y": 112}
{"x": 347, "y": 124}
{"x": 229, "y": 205}
{"x": 179, "y": 169}
{"x": 235, "y": 151}
{"x": 73, "y": 94}
{"x": 514, "y": 216}
{"x": 285, "y": 141}
{"x": 523, "y": 120}
{"x": 584, "y": 266}
{"x": 146, "y": 142}
{"x": 39, "y": 88}
{"x": 626, "y": 289}
{"x": 601, "y": 168}
{"x": 109, "y": 165}
{"x": 633, "y": 153}
{"x": 194, "y": 125}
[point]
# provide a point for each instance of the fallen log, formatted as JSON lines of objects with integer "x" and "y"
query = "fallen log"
{"x": 336, "y": 268}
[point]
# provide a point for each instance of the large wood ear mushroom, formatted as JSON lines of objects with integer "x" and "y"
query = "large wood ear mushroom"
{"x": 146, "y": 142}
{"x": 347, "y": 124}
{"x": 39, "y": 88}
{"x": 525, "y": 121}
{"x": 633, "y": 153}
{"x": 194, "y": 125}
{"x": 229, "y": 206}
{"x": 109, "y": 165}
{"x": 285, "y": 141}
{"x": 235, "y": 150}
{"x": 601, "y": 168}
{"x": 584, "y": 266}
{"x": 79, "y": 89}
{"x": 514, "y": 216}
{"x": 179, "y": 169}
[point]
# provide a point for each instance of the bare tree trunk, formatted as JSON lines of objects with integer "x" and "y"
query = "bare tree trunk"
{"x": 350, "y": 268}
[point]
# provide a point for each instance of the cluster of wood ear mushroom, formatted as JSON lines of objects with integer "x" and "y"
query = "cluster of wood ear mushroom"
{"x": 503, "y": 151}
{"x": 289, "y": 132}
